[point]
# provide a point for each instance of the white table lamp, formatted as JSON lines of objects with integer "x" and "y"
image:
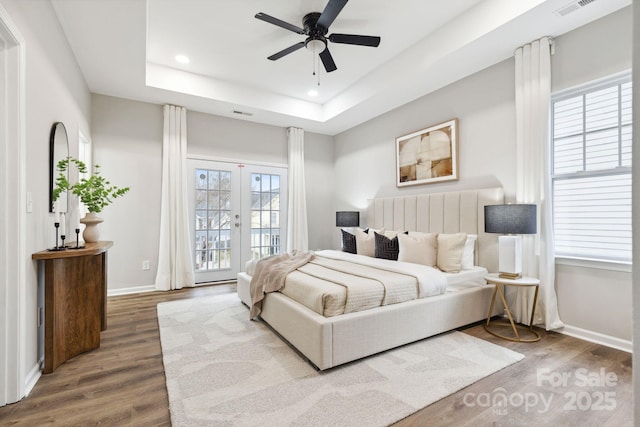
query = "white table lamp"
{"x": 510, "y": 221}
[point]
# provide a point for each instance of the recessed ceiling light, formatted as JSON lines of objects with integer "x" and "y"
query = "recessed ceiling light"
{"x": 312, "y": 92}
{"x": 183, "y": 59}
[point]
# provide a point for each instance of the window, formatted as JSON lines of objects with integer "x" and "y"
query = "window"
{"x": 591, "y": 171}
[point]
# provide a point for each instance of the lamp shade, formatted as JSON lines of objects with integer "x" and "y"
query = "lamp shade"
{"x": 347, "y": 219}
{"x": 510, "y": 219}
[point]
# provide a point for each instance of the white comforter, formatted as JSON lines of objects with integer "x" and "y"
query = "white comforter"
{"x": 336, "y": 282}
{"x": 430, "y": 280}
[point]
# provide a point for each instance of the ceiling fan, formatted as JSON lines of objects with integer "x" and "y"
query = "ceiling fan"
{"x": 315, "y": 26}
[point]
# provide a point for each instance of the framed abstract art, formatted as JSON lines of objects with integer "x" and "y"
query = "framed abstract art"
{"x": 427, "y": 156}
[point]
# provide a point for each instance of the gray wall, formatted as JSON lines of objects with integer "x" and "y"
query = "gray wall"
{"x": 127, "y": 140}
{"x": 127, "y": 144}
{"x": 484, "y": 103}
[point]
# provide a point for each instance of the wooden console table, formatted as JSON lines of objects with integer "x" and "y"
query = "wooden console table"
{"x": 75, "y": 301}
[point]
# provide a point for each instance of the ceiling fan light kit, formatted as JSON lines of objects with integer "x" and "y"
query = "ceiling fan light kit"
{"x": 315, "y": 26}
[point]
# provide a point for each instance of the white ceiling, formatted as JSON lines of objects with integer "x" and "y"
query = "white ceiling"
{"x": 126, "y": 48}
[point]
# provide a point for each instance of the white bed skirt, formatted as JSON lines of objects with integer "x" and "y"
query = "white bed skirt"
{"x": 332, "y": 341}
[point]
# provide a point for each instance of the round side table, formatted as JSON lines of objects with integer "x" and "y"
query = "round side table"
{"x": 500, "y": 283}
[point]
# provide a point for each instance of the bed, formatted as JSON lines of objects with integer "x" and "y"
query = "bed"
{"x": 331, "y": 341}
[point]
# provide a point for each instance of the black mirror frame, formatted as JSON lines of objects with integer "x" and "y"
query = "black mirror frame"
{"x": 52, "y": 161}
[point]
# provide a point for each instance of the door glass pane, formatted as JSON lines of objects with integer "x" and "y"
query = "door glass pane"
{"x": 225, "y": 258}
{"x": 266, "y": 182}
{"x": 201, "y": 219}
{"x": 265, "y": 215}
{"x": 201, "y": 199}
{"x": 224, "y": 220}
{"x": 213, "y": 200}
{"x": 225, "y": 200}
{"x": 212, "y": 184}
{"x": 255, "y": 182}
{"x": 255, "y": 220}
{"x": 201, "y": 179}
{"x": 225, "y": 181}
{"x": 255, "y": 200}
{"x": 266, "y": 201}
{"x": 266, "y": 218}
{"x": 213, "y": 220}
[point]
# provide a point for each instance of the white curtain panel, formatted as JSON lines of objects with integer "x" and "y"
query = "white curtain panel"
{"x": 297, "y": 231}
{"x": 533, "y": 185}
{"x": 175, "y": 263}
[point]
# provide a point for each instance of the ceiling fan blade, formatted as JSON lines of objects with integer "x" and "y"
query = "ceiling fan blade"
{"x": 372, "y": 41}
{"x": 280, "y": 23}
{"x": 330, "y": 12}
{"x": 327, "y": 61}
{"x": 286, "y": 51}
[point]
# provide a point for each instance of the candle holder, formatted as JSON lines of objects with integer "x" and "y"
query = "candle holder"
{"x": 62, "y": 237}
{"x": 77, "y": 246}
{"x": 56, "y": 247}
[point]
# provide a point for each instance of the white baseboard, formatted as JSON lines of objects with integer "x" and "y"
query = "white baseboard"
{"x": 32, "y": 378}
{"x": 597, "y": 338}
{"x": 130, "y": 290}
{"x": 151, "y": 288}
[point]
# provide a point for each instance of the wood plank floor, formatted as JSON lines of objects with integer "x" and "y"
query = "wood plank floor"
{"x": 123, "y": 383}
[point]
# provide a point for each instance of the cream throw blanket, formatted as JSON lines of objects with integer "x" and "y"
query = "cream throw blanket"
{"x": 270, "y": 275}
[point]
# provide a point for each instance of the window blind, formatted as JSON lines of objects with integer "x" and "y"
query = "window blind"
{"x": 591, "y": 179}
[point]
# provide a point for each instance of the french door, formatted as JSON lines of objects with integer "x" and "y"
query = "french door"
{"x": 237, "y": 213}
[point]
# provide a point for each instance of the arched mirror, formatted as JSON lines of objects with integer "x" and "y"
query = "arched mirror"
{"x": 58, "y": 150}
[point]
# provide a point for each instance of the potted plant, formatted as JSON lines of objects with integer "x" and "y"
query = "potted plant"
{"x": 95, "y": 192}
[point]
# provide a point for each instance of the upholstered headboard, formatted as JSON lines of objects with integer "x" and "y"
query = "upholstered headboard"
{"x": 450, "y": 212}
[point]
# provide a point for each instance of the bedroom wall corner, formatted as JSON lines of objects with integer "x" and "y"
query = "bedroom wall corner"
{"x": 320, "y": 181}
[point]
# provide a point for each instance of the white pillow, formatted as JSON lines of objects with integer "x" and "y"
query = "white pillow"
{"x": 418, "y": 248}
{"x": 366, "y": 242}
{"x": 468, "y": 256}
{"x": 450, "y": 250}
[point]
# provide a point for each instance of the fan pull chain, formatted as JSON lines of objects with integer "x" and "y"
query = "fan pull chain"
{"x": 315, "y": 65}
{"x": 315, "y": 71}
{"x": 314, "y": 62}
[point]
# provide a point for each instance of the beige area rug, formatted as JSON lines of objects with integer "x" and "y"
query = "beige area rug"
{"x": 224, "y": 370}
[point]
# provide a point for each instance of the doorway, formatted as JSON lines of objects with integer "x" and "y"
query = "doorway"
{"x": 14, "y": 383}
{"x": 237, "y": 212}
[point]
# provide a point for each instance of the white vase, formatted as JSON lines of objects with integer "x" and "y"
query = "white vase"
{"x": 91, "y": 233}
